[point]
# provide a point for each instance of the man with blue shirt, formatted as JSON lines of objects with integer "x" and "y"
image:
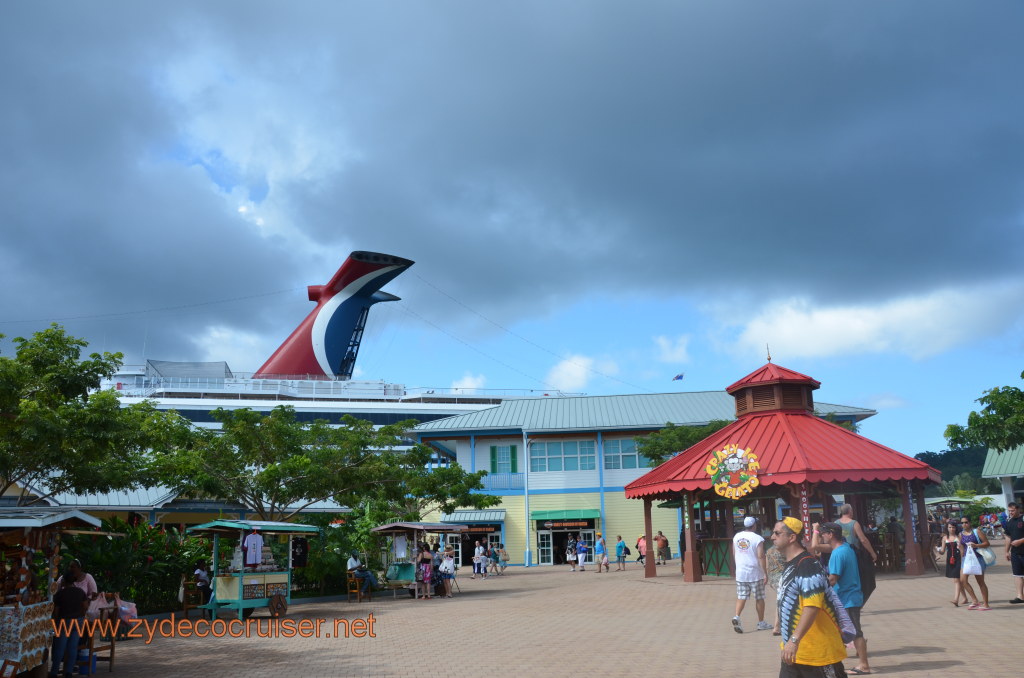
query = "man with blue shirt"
{"x": 845, "y": 578}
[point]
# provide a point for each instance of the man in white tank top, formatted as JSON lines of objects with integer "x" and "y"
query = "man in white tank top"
{"x": 748, "y": 549}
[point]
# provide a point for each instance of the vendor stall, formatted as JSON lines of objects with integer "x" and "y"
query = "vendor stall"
{"x": 253, "y": 577}
{"x": 401, "y": 554}
{"x": 30, "y": 543}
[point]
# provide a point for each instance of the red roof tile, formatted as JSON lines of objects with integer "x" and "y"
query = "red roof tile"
{"x": 772, "y": 374}
{"x": 791, "y": 447}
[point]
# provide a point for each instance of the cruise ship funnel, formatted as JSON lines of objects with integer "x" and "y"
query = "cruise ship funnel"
{"x": 327, "y": 342}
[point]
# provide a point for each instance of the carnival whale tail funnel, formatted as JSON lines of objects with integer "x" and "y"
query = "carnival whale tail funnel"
{"x": 326, "y": 343}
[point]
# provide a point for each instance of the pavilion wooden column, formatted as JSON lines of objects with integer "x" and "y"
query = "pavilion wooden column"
{"x": 650, "y": 569}
{"x": 691, "y": 560}
{"x": 911, "y": 548}
{"x": 924, "y": 536}
{"x": 767, "y": 513}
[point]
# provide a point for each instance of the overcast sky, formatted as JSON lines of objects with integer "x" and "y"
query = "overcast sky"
{"x": 598, "y": 195}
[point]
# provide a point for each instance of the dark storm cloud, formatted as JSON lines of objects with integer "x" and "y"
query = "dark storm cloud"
{"x": 845, "y": 154}
{"x": 522, "y": 153}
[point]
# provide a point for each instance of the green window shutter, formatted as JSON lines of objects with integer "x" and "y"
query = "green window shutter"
{"x": 494, "y": 458}
{"x": 514, "y": 466}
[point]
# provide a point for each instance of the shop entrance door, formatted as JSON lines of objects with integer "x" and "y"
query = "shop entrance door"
{"x": 544, "y": 552}
{"x": 455, "y": 541}
{"x": 588, "y": 536}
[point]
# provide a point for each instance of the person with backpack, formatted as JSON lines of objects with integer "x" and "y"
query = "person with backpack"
{"x": 621, "y": 551}
{"x": 844, "y": 575}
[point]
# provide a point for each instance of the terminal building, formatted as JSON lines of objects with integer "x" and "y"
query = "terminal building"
{"x": 561, "y": 465}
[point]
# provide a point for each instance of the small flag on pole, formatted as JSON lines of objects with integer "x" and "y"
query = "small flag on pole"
{"x": 678, "y": 377}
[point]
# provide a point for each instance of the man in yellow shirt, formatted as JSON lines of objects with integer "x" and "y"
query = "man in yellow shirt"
{"x": 812, "y": 646}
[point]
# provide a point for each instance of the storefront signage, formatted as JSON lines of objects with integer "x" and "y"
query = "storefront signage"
{"x": 733, "y": 471}
{"x": 565, "y": 524}
{"x": 484, "y": 528}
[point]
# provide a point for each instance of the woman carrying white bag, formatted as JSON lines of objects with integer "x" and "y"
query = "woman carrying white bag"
{"x": 971, "y": 542}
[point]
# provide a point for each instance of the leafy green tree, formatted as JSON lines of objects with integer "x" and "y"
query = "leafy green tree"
{"x": 422, "y": 488}
{"x": 275, "y": 465}
{"x": 58, "y": 433}
{"x": 671, "y": 440}
{"x": 998, "y": 426}
{"x": 845, "y": 423}
{"x": 964, "y": 483}
{"x": 327, "y": 562}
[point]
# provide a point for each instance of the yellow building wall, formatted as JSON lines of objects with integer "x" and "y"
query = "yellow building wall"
{"x": 626, "y": 517}
{"x": 622, "y": 516}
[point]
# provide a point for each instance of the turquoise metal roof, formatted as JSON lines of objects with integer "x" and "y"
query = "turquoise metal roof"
{"x": 1009, "y": 463}
{"x": 43, "y": 516}
{"x": 474, "y": 516}
{"x": 164, "y": 498}
{"x": 608, "y": 413}
{"x": 246, "y": 525}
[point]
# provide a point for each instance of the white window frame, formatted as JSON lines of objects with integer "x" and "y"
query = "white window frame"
{"x": 541, "y": 454}
{"x": 613, "y": 455}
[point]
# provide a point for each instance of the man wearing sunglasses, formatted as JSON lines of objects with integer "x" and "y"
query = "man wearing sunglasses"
{"x": 812, "y": 646}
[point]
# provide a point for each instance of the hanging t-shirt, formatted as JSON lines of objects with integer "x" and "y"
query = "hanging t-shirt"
{"x": 300, "y": 551}
{"x": 748, "y": 565}
{"x": 401, "y": 545}
{"x": 254, "y": 548}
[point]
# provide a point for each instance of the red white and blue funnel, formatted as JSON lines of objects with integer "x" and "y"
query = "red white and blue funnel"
{"x": 326, "y": 343}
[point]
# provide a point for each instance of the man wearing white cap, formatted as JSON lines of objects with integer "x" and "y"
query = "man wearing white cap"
{"x": 748, "y": 549}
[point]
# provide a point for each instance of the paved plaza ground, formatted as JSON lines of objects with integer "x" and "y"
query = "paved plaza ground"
{"x": 549, "y": 621}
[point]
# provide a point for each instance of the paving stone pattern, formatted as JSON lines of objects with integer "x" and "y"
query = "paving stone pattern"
{"x": 553, "y": 622}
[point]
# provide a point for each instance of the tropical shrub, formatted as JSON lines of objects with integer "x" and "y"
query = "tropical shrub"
{"x": 145, "y": 565}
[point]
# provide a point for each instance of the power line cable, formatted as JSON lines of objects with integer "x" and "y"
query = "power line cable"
{"x": 440, "y": 329}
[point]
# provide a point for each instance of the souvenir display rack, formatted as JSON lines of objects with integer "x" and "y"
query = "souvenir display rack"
{"x": 30, "y": 541}
{"x": 243, "y": 591}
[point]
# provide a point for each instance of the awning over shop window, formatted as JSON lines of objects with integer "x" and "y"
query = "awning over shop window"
{"x": 482, "y": 516}
{"x": 575, "y": 514}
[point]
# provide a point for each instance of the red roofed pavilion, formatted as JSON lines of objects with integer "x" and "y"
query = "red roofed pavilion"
{"x": 778, "y": 448}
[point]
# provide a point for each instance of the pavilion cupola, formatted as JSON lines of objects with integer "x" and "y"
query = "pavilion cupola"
{"x": 773, "y": 388}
